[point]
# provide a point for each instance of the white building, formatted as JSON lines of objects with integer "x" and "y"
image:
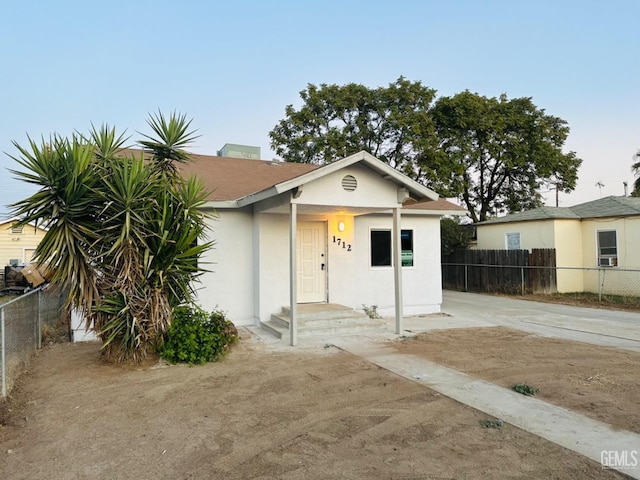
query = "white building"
{"x": 364, "y": 234}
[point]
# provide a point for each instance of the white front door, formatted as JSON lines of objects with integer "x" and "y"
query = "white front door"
{"x": 311, "y": 241}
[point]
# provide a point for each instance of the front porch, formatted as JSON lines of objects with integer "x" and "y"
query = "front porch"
{"x": 321, "y": 319}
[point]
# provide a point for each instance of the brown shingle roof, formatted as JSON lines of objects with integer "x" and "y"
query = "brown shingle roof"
{"x": 234, "y": 178}
{"x": 440, "y": 205}
{"x": 230, "y": 179}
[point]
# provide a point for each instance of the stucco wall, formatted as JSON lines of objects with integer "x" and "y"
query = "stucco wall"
{"x": 568, "y": 241}
{"x": 628, "y": 237}
{"x": 612, "y": 279}
{"x": 532, "y": 235}
{"x": 371, "y": 192}
{"x": 342, "y": 261}
{"x": 351, "y": 281}
{"x": 229, "y": 283}
{"x": 272, "y": 276}
{"x": 368, "y": 285}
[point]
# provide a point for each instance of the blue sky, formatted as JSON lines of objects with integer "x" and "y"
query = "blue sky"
{"x": 234, "y": 66}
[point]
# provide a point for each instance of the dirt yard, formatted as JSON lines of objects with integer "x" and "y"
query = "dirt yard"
{"x": 264, "y": 413}
{"x": 599, "y": 382}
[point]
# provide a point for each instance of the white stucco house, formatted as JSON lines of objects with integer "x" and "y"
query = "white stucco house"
{"x": 362, "y": 234}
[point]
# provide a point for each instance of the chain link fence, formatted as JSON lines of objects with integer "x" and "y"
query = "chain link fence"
{"x": 23, "y": 321}
{"x": 611, "y": 284}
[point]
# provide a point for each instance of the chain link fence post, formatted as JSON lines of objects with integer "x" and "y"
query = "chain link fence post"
{"x": 4, "y": 354}
{"x": 39, "y": 333}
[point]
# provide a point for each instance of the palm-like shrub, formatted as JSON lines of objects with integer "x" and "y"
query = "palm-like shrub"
{"x": 125, "y": 230}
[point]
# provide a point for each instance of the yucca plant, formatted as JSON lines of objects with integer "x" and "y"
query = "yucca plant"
{"x": 125, "y": 231}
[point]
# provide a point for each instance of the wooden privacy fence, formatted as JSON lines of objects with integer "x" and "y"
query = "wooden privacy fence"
{"x": 501, "y": 271}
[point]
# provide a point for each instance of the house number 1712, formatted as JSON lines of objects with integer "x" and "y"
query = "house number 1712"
{"x": 346, "y": 246}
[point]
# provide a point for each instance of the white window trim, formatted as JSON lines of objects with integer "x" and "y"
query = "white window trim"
{"x": 390, "y": 230}
{"x": 379, "y": 267}
{"x": 598, "y": 256}
{"x": 413, "y": 248}
{"x": 506, "y": 241}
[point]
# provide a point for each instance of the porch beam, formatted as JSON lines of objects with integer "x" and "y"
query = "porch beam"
{"x": 293, "y": 294}
{"x": 397, "y": 268}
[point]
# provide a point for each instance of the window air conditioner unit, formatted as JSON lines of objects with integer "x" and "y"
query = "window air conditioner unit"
{"x": 607, "y": 261}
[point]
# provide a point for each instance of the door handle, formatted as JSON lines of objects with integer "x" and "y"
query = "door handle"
{"x": 322, "y": 266}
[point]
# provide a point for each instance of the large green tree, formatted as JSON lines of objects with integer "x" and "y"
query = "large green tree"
{"x": 502, "y": 153}
{"x": 454, "y": 235}
{"x": 123, "y": 228}
{"x": 495, "y": 154}
{"x": 392, "y": 123}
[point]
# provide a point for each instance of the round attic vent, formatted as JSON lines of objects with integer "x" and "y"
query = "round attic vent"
{"x": 349, "y": 183}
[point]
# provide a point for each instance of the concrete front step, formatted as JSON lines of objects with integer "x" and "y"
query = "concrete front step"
{"x": 321, "y": 311}
{"x": 316, "y": 320}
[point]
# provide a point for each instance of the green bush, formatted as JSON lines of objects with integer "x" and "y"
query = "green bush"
{"x": 525, "y": 389}
{"x": 196, "y": 337}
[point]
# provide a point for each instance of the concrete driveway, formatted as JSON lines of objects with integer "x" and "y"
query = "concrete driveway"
{"x": 591, "y": 325}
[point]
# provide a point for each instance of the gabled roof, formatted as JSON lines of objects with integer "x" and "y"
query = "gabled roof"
{"x": 235, "y": 182}
{"x": 608, "y": 207}
{"x": 15, "y": 219}
{"x": 229, "y": 179}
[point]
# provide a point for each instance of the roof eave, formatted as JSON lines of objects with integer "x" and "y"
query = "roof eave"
{"x": 389, "y": 173}
{"x": 218, "y": 204}
{"x": 440, "y": 213}
{"x": 546, "y": 219}
{"x": 258, "y": 196}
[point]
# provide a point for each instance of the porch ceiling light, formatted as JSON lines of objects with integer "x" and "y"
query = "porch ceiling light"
{"x": 341, "y": 226}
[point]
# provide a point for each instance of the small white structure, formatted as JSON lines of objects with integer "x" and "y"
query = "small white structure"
{"x": 354, "y": 232}
{"x": 79, "y": 333}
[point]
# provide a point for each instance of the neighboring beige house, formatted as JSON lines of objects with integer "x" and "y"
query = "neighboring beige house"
{"x": 18, "y": 244}
{"x": 602, "y": 235}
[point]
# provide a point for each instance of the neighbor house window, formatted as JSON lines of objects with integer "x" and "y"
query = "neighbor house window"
{"x": 513, "y": 241}
{"x": 607, "y": 248}
{"x": 381, "y": 248}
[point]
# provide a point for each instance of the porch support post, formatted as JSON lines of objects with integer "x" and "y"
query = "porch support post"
{"x": 397, "y": 268}
{"x": 293, "y": 294}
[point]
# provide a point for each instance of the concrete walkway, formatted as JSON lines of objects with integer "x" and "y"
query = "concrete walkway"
{"x": 463, "y": 310}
